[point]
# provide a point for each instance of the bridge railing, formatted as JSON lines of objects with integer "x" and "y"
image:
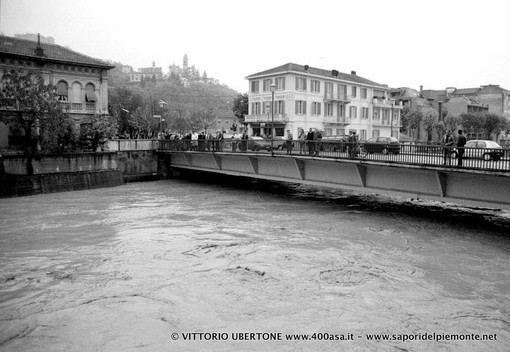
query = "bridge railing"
{"x": 406, "y": 154}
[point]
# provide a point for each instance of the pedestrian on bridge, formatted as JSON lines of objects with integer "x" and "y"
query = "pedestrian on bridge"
{"x": 447, "y": 147}
{"x": 310, "y": 142}
{"x": 302, "y": 142}
{"x": 288, "y": 143}
{"x": 461, "y": 142}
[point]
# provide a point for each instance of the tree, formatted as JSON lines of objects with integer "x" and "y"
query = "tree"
{"x": 429, "y": 122}
{"x": 30, "y": 105}
{"x": 240, "y": 106}
{"x": 101, "y": 128}
{"x": 473, "y": 123}
{"x": 493, "y": 124}
{"x": 411, "y": 120}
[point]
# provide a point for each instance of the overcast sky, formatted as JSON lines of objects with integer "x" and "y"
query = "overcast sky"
{"x": 401, "y": 43}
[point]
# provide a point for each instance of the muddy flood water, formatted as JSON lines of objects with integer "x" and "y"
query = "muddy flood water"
{"x": 180, "y": 265}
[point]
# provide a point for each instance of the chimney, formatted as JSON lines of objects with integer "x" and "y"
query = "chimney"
{"x": 421, "y": 90}
{"x": 39, "y": 50}
{"x": 353, "y": 73}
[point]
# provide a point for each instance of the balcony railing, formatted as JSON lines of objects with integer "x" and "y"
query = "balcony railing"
{"x": 266, "y": 118}
{"x": 337, "y": 120}
{"x": 340, "y": 98}
{"x": 90, "y": 107}
{"x": 75, "y": 107}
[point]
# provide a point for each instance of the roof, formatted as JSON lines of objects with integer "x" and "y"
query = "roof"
{"x": 466, "y": 91}
{"x": 290, "y": 67}
{"x": 53, "y": 52}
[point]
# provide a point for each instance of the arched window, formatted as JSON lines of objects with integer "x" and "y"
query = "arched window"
{"x": 76, "y": 93}
{"x": 90, "y": 93}
{"x": 62, "y": 91}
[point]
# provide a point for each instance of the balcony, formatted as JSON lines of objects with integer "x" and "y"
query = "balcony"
{"x": 266, "y": 118}
{"x": 380, "y": 122}
{"x": 339, "y": 98}
{"x": 386, "y": 103}
{"x": 336, "y": 120}
{"x": 89, "y": 108}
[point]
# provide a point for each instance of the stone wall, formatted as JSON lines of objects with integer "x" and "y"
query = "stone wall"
{"x": 27, "y": 175}
{"x": 25, "y": 185}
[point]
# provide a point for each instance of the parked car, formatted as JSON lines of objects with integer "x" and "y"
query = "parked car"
{"x": 334, "y": 143}
{"x": 383, "y": 145}
{"x": 486, "y": 150}
{"x": 256, "y": 143}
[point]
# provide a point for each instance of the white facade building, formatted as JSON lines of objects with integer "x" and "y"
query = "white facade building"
{"x": 330, "y": 101}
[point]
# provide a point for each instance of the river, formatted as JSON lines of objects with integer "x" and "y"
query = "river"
{"x": 182, "y": 265}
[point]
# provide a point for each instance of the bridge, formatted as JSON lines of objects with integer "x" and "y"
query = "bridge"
{"x": 415, "y": 171}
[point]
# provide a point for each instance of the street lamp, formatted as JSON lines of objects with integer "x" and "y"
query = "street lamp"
{"x": 272, "y": 87}
{"x": 391, "y": 121}
{"x": 161, "y": 104}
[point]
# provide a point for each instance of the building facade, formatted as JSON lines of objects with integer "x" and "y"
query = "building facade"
{"x": 81, "y": 81}
{"x": 145, "y": 73}
{"x": 330, "y": 101}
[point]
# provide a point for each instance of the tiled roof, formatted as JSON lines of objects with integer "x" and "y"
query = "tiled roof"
{"x": 316, "y": 71}
{"x": 466, "y": 91}
{"x": 27, "y": 48}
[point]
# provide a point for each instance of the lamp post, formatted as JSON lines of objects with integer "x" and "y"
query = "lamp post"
{"x": 161, "y": 104}
{"x": 391, "y": 119}
{"x": 272, "y": 87}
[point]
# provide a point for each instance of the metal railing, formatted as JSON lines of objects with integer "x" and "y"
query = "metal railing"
{"x": 404, "y": 154}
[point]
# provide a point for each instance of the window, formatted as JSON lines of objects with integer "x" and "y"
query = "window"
{"x": 386, "y": 114}
{"x": 342, "y": 91}
{"x": 364, "y": 113}
{"x": 280, "y": 83}
{"x": 328, "y": 90}
{"x": 255, "y": 108}
{"x": 376, "y": 114}
{"x": 354, "y": 91}
{"x": 375, "y": 133}
{"x": 316, "y": 108}
{"x": 254, "y": 86}
{"x": 279, "y": 107}
{"x": 316, "y": 86}
{"x": 90, "y": 93}
{"x": 353, "y": 112}
{"x": 328, "y": 109}
{"x": 363, "y": 135}
{"x": 300, "y": 107}
{"x": 266, "y": 107}
{"x": 340, "y": 131}
{"x": 364, "y": 93}
{"x": 340, "y": 111}
{"x": 62, "y": 91}
{"x": 76, "y": 93}
{"x": 328, "y": 131}
{"x": 265, "y": 84}
{"x": 301, "y": 83}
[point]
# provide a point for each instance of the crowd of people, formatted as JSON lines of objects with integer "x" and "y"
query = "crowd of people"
{"x": 309, "y": 142}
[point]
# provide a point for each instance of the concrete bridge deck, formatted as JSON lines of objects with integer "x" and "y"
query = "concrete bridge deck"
{"x": 435, "y": 182}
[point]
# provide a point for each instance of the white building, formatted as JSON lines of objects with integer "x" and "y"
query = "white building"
{"x": 330, "y": 101}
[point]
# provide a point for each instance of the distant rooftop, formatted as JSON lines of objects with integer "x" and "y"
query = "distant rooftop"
{"x": 53, "y": 52}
